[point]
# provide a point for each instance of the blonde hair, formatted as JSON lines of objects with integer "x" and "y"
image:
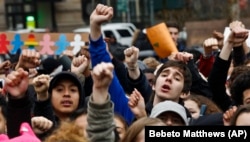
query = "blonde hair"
{"x": 151, "y": 62}
{"x": 200, "y": 100}
{"x": 67, "y": 132}
{"x": 139, "y": 125}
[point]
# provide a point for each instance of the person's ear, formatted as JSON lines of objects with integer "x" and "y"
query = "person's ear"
{"x": 184, "y": 95}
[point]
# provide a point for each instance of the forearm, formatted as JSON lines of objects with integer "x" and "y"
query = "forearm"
{"x": 205, "y": 65}
{"x": 44, "y": 108}
{"x": 81, "y": 77}
{"x": 134, "y": 72}
{"x": 99, "y": 95}
{"x": 100, "y": 121}
{"x": 95, "y": 30}
{"x": 216, "y": 80}
{"x": 226, "y": 51}
{"x": 122, "y": 75}
{"x": 142, "y": 85}
{"x": 120, "y": 100}
{"x": 142, "y": 114}
{"x": 238, "y": 56}
{"x": 42, "y": 96}
{"x": 199, "y": 85}
{"x": 19, "y": 111}
{"x": 98, "y": 52}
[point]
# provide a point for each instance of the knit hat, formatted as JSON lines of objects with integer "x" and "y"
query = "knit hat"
{"x": 69, "y": 76}
{"x": 27, "y": 135}
{"x": 48, "y": 65}
{"x": 117, "y": 51}
{"x": 169, "y": 106}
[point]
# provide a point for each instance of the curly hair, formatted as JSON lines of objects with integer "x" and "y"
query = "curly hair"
{"x": 238, "y": 86}
{"x": 236, "y": 72}
{"x": 67, "y": 132}
{"x": 202, "y": 100}
{"x": 151, "y": 62}
{"x": 134, "y": 129}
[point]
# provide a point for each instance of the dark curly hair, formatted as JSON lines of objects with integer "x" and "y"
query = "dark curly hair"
{"x": 236, "y": 72}
{"x": 238, "y": 86}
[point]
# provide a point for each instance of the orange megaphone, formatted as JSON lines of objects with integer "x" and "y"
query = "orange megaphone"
{"x": 161, "y": 40}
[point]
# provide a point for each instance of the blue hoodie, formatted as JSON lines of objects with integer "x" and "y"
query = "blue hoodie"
{"x": 99, "y": 54}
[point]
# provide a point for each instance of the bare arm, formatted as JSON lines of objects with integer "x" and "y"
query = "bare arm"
{"x": 131, "y": 58}
{"x": 100, "y": 15}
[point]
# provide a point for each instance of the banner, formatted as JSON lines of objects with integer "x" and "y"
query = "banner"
{"x": 44, "y": 43}
{"x": 161, "y": 40}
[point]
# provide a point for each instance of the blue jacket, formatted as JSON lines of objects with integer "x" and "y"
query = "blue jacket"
{"x": 99, "y": 54}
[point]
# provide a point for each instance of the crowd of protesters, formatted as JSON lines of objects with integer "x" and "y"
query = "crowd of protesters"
{"x": 109, "y": 94}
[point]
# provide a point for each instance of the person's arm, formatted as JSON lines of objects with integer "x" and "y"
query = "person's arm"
{"x": 207, "y": 59}
{"x": 78, "y": 66}
{"x": 105, "y": 14}
{"x": 40, "y": 124}
{"x": 219, "y": 72}
{"x": 131, "y": 58}
{"x": 5, "y": 67}
{"x": 218, "y": 77}
{"x": 216, "y": 81}
{"x": 238, "y": 56}
{"x": 43, "y": 106}
{"x": 121, "y": 73}
{"x": 19, "y": 104}
{"x": 28, "y": 59}
{"x": 199, "y": 85}
{"x": 141, "y": 83}
{"x": 227, "y": 116}
{"x": 239, "y": 42}
{"x": 206, "y": 64}
{"x": 136, "y": 79}
{"x": 88, "y": 85}
{"x": 100, "y": 115}
{"x": 98, "y": 54}
{"x": 137, "y": 105}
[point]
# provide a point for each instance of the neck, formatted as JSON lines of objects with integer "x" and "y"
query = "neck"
{"x": 158, "y": 100}
{"x": 63, "y": 117}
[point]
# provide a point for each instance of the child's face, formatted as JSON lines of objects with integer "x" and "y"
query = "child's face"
{"x": 2, "y": 123}
{"x": 246, "y": 97}
{"x": 192, "y": 107}
{"x": 65, "y": 97}
{"x": 120, "y": 127}
{"x": 169, "y": 84}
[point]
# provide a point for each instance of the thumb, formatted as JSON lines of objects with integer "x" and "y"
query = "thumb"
{"x": 138, "y": 94}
